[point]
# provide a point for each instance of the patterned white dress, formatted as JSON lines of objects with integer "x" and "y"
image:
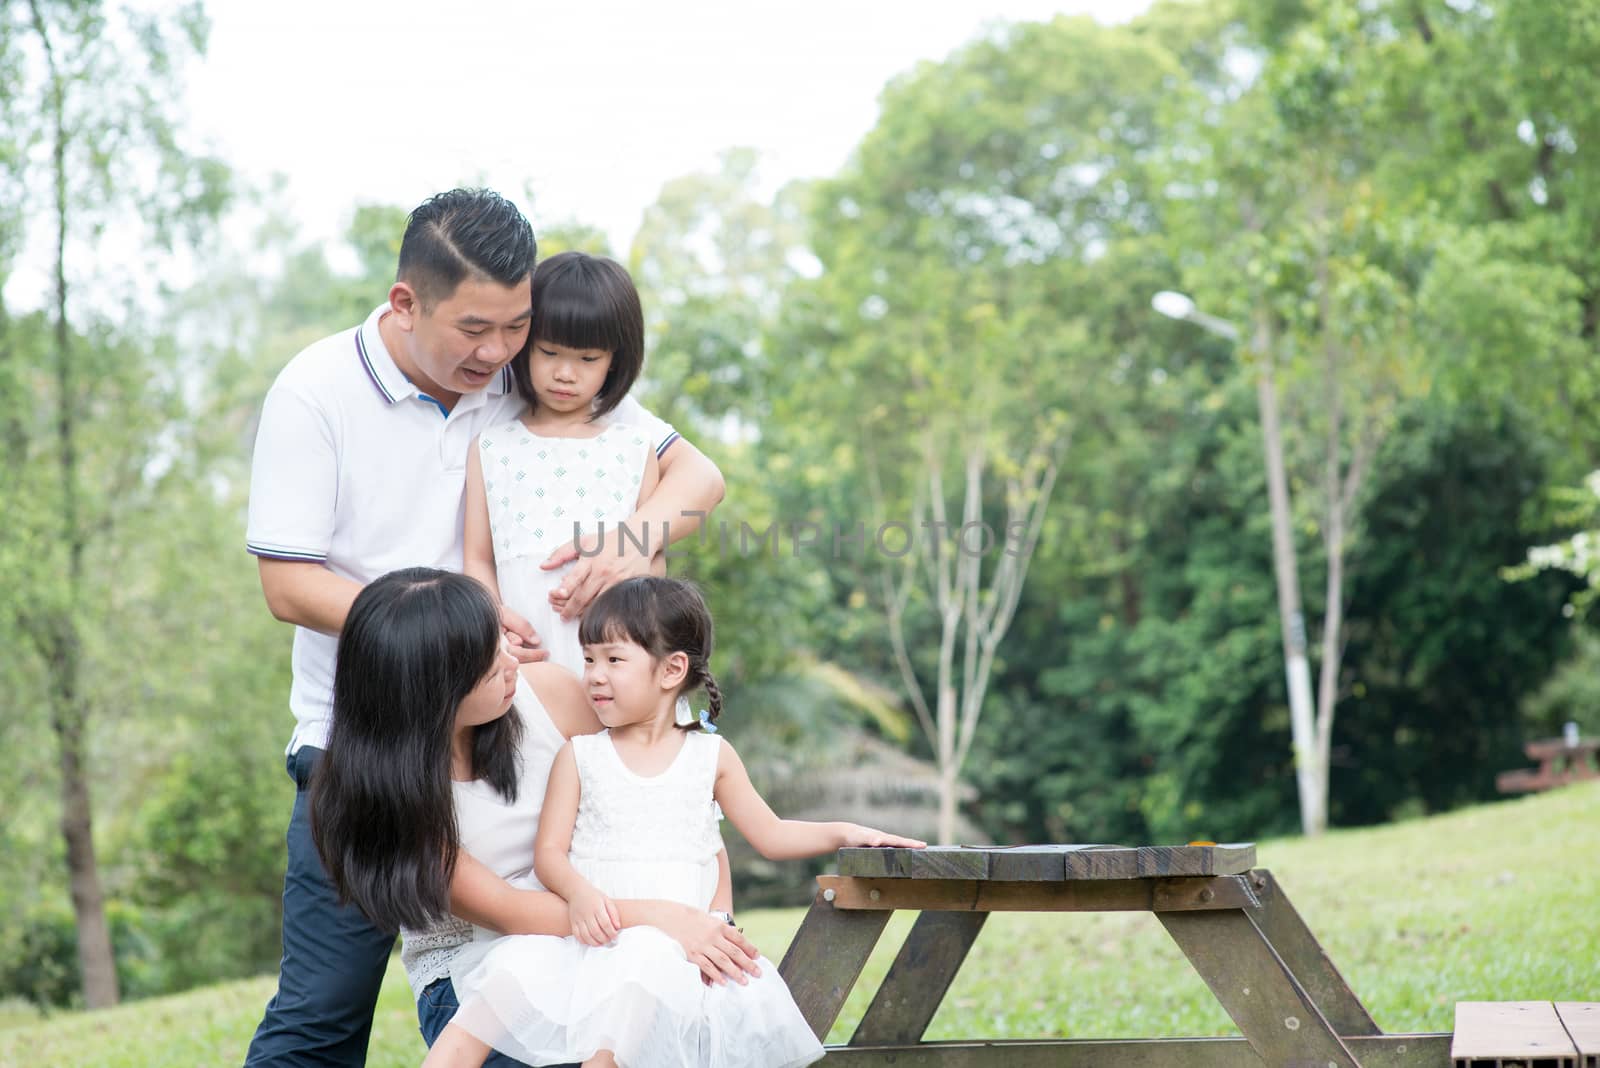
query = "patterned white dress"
{"x": 542, "y": 492}
{"x": 547, "y": 1000}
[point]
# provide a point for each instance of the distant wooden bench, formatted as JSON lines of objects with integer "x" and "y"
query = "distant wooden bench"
{"x": 1526, "y": 1034}
{"x": 1559, "y": 764}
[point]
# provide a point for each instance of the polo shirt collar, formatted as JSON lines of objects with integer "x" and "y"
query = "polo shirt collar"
{"x": 391, "y": 382}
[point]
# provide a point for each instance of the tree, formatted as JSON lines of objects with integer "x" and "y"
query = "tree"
{"x": 947, "y": 337}
{"x": 108, "y": 150}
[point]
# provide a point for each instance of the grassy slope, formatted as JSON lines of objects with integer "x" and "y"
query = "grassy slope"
{"x": 1490, "y": 903}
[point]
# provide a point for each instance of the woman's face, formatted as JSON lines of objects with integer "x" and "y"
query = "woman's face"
{"x": 489, "y": 700}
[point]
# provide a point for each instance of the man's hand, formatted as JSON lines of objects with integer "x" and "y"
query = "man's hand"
{"x": 603, "y": 563}
{"x": 520, "y": 638}
{"x": 720, "y": 952}
{"x": 594, "y": 918}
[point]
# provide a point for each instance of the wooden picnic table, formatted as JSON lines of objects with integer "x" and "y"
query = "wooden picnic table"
{"x": 1560, "y": 762}
{"x": 1231, "y": 920}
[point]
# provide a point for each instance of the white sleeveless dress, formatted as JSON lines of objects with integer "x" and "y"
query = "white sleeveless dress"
{"x": 542, "y": 492}
{"x": 546, "y": 1000}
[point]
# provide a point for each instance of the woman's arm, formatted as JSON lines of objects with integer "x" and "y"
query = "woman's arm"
{"x": 778, "y": 839}
{"x": 481, "y": 897}
{"x": 565, "y": 700}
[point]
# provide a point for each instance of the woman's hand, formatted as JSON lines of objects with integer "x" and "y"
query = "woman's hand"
{"x": 858, "y": 836}
{"x": 719, "y": 950}
{"x": 594, "y": 917}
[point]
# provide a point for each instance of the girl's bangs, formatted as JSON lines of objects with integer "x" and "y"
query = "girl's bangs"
{"x": 575, "y": 312}
{"x": 611, "y": 619}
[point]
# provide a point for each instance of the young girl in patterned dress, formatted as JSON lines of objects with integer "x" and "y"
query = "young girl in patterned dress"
{"x": 629, "y": 808}
{"x": 567, "y": 465}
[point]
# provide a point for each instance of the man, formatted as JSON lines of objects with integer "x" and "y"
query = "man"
{"x": 360, "y": 468}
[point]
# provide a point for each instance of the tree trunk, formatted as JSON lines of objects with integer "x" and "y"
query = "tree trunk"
{"x": 68, "y": 719}
{"x": 1333, "y": 541}
{"x": 1291, "y": 620}
{"x": 949, "y": 773}
{"x": 949, "y": 783}
{"x": 69, "y": 715}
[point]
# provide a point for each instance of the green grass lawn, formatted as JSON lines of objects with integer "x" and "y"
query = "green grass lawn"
{"x": 1490, "y": 903}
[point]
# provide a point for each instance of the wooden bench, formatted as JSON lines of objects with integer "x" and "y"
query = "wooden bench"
{"x": 1560, "y": 763}
{"x": 1526, "y": 1034}
{"x": 1232, "y": 921}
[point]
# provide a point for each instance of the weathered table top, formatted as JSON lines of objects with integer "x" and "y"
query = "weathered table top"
{"x": 1048, "y": 863}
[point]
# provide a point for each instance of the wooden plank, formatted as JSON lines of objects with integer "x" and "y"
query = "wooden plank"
{"x": 1550, "y": 748}
{"x": 1522, "y": 781}
{"x": 1582, "y": 1021}
{"x": 1521, "y": 1030}
{"x": 935, "y": 862}
{"x": 825, "y": 959}
{"x": 1378, "y": 1051}
{"x": 1259, "y": 993}
{"x": 968, "y": 895}
{"x": 1145, "y": 862}
{"x": 1032, "y": 864}
{"x": 1047, "y": 863}
{"x": 921, "y": 973}
{"x": 1293, "y": 941}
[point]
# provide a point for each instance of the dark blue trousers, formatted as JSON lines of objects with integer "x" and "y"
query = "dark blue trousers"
{"x": 333, "y": 959}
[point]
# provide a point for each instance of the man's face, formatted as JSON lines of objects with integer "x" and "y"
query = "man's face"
{"x": 461, "y": 343}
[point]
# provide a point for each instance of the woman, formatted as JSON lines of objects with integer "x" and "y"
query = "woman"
{"x": 427, "y": 798}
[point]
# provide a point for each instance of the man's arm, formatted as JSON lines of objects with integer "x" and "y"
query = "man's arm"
{"x": 690, "y": 487}
{"x": 307, "y": 594}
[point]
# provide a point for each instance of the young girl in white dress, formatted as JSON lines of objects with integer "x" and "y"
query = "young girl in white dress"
{"x": 575, "y": 459}
{"x": 635, "y": 808}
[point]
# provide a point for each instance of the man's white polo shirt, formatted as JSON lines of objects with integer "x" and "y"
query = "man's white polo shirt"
{"x": 354, "y": 468}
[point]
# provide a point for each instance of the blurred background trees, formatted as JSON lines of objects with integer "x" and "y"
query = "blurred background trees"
{"x": 958, "y": 323}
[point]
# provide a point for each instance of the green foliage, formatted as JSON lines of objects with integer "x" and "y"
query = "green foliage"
{"x": 1397, "y": 189}
{"x": 1491, "y": 903}
{"x": 1442, "y": 650}
{"x": 41, "y": 962}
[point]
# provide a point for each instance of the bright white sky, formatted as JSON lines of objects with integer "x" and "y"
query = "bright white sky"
{"x": 579, "y": 111}
{"x": 587, "y": 106}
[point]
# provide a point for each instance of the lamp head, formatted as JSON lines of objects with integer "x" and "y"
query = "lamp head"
{"x": 1172, "y": 304}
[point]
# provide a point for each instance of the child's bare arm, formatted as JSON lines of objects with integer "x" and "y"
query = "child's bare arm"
{"x": 722, "y": 900}
{"x": 780, "y": 839}
{"x": 477, "y": 540}
{"x": 595, "y": 920}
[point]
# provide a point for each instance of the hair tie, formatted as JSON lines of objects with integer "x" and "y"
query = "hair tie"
{"x": 705, "y": 722}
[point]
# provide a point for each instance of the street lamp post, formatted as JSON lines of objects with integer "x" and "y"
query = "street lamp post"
{"x": 1310, "y": 773}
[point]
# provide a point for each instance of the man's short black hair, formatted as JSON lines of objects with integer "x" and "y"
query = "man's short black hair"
{"x": 460, "y": 234}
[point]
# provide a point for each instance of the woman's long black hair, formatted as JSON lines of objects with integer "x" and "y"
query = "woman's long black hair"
{"x": 415, "y": 644}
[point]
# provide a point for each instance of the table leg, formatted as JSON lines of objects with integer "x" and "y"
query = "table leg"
{"x": 1304, "y": 956}
{"x": 917, "y": 981}
{"x": 826, "y": 957}
{"x": 1269, "y": 1006}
